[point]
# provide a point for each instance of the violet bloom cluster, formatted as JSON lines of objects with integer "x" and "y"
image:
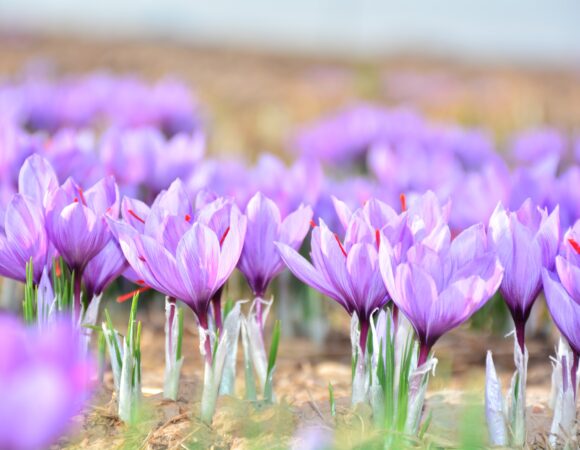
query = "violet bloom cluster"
{"x": 40, "y": 103}
{"x": 45, "y": 380}
{"x": 526, "y": 241}
{"x": 45, "y": 220}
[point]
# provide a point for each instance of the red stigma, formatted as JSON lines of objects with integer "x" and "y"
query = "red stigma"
{"x": 340, "y": 244}
{"x": 57, "y": 270}
{"x": 130, "y": 295}
{"x": 187, "y": 217}
{"x": 142, "y": 258}
{"x": 131, "y": 212}
{"x": 378, "y": 237}
{"x": 313, "y": 224}
{"x": 140, "y": 282}
{"x": 82, "y": 196}
{"x": 76, "y": 200}
{"x": 575, "y": 245}
{"x": 403, "y": 199}
{"x": 224, "y": 236}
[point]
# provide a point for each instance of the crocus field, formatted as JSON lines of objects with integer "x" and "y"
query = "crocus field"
{"x": 393, "y": 273}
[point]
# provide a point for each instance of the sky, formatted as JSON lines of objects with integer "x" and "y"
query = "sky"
{"x": 533, "y": 32}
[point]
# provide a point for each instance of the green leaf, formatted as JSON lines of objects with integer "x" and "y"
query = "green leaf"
{"x": 179, "y": 332}
{"x": 112, "y": 336}
{"x": 268, "y": 394}
{"x": 331, "y": 399}
{"x": 274, "y": 347}
{"x": 228, "y": 307}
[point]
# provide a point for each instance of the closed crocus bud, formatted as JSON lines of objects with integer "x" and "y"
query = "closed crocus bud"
{"x": 526, "y": 241}
{"x": 260, "y": 261}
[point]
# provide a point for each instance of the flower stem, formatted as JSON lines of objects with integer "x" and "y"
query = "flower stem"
{"x": 364, "y": 332}
{"x": 573, "y": 371}
{"x": 203, "y": 323}
{"x": 423, "y": 354}
{"x": 216, "y": 302}
{"x": 520, "y": 326}
{"x": 78, "y": 279}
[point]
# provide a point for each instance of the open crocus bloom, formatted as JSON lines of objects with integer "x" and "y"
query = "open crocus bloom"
{"x": 525, "y": 240}
{"x": 260, "y": 261}
{"x": 76, "y": 221}
{"x": 346, "y": 272}
{"x": 439, "y": 289}
{"x": 184, "y": 258}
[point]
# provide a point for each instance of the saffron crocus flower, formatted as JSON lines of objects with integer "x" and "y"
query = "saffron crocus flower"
{"x": 347, "y": 272}
{"x": 438, "y": 290}
{"x": 567, "y": 263}
{"x": 76, "y": 224}
{"x": 260, "y": 261}
{"x": 44, "y": 382}
{"x": 105, "y": 267}
{"x": 525, "y": 241}
{"x": 76, "y": 220}
{"x": 23, "y": 239}
{"x": 566, "y": 315}
{"x": 189, "y": 263}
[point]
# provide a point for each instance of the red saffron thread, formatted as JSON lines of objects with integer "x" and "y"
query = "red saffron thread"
{"x": 131, "y": 212}
{"x": 340, "y": 245}
{"x": 129, "y": 295}
{"x": 224, "y": 236}
{"x": 403, "y": 199}
{"x": 575, "y": 245}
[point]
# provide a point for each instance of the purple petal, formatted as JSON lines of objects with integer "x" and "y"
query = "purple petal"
{"x": 231, "y": 246}
{"x": 37, "y": 179}
{"x": 306, "y": 273}
{"x": 564, "y": 311}
{"x": 198, "y": 255}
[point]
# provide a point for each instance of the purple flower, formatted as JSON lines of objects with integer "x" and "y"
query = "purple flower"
{"x": 567, "y": 263}
{"x": 76, "y": 220}
{"x": 37, "y": 180}
{"x": 439, "y": 289}
{"x": 346, "y": 272}
{"x": 260, "y": 261}
{"x": 44, "y": 382}
{"x": 565, "y": 311}
{"x": 181, "y": 257}
{"x": 23, "y": 239}
{"x": 103, "y": 269}
{"x": 525, "y": 241}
